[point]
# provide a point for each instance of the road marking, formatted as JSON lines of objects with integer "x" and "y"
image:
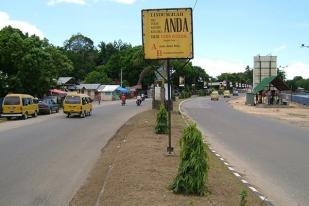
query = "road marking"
{"x": 244, "y": 181}
{"x": 253, "y": 189}
{"x": 214, "y": 151}
{"x": 218, "y": 155}
{"x": 262, "y": 197}
{"x": 236, "y": 174}
{"x": 221, "y": 159}
{"x": 226, "y": 163}
{"x": 231, "y": 168}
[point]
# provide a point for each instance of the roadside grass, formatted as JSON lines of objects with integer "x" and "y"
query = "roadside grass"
{"x": 133, "y": 169}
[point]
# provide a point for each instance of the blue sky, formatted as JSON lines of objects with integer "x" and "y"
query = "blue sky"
{"x": 227, "y": 34}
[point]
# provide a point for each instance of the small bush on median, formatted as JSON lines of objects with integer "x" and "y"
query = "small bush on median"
{"x": 161, "y": 126}
{"x": 243, "y": 198}
{"x": 193, "y": 169}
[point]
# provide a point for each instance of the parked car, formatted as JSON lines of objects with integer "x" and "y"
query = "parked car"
{"x": 19, "y": 105}
{"x": 226, "y": 94}
{"x": 48, "y": 106}
{"x": 214, "y": 95}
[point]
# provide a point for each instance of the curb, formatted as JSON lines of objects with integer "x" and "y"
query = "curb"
{"x": 264, "y": 199}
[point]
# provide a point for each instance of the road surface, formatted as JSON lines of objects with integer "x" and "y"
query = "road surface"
{"x": 272, "y": 154}
{"x": 45, "y": 160}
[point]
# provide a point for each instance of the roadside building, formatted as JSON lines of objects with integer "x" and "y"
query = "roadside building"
{"x": 109, "y": 92}
{"x": 67, "y": 83}
{"x": 90, "y": 89}
{"x": 269, "y": 92}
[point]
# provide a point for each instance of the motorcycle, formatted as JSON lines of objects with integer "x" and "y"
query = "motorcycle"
{"x": 138, "y": 102}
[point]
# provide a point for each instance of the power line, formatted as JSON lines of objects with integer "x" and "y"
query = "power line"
{"x": 194, "y": 4}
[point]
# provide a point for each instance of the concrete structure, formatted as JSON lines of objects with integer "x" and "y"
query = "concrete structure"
{"x": 90, "y": 89}
{"x": 109, "y": 92}
{"x": 264, "y": 66}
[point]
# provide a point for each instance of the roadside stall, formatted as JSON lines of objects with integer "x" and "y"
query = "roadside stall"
{"x": 269, "y": 91}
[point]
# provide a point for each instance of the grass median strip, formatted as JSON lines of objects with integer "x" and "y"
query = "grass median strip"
{"x": 141, "y": 172}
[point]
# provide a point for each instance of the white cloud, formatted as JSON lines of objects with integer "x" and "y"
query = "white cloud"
{"x": 279, "y": 49}
{"x": 214, "y": 67}
{"x": 53, "y": 2}
{"x": 22, "y": 25}
{"x": 297, "y": 69}
{"x": 124, "y": 1}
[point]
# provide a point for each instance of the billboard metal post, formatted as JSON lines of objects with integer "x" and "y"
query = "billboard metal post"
{"x": 169, "y": 107}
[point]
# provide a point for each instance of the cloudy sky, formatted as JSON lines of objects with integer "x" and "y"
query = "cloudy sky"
{"x": 227, "y": 34}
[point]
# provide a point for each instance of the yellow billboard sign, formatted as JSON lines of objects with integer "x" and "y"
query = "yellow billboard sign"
{"x": 167, "y": 33}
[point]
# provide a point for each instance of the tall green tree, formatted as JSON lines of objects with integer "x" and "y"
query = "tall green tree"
{"x": 82, "y": 52}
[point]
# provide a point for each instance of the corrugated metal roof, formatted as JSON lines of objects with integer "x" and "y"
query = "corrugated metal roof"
{"x": 274, "y": 80}
{"x": 88, "y": 86}
{"x": 63, "y": 80}
{"x": 109, "y": 88}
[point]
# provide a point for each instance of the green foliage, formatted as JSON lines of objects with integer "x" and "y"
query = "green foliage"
{"x": 97, "y": 77}
{"x": 193, "y": 169}
{"x": 29, "y": 64}
{"x": 161, "y": 126}
{"x": 201, "y": 92}
{"x": 81, "y": 51}
{"x": 241, "y": 77}
{"x": 243, "y": 198}
{"x": 192, "y": 74}
{"x": 298, "y": 81}
{"x": 184, "y": 94}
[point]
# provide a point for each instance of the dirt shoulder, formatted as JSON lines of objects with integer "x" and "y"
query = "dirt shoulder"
{"x": 294, "y": 114}
{"x": 134, "y": 170}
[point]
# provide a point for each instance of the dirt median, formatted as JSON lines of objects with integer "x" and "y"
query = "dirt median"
{"x": 134, "y": 170}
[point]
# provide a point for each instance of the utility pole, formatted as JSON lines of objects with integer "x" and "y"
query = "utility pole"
{"x": 121, "y": 77}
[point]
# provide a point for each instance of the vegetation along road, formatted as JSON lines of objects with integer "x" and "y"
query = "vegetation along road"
{"x": 44, "y": 160}
{"x": 273, "y": 155}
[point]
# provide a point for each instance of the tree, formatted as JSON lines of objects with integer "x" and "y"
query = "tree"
{"x": 29, "y": 64}
{"x": 281, "y": 74}
{"x": 82, "y": 52}
{"x": 97, "y": 77}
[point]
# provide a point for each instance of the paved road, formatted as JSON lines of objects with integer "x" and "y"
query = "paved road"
{"x": 43, "y": 161}
{"x": 274, "y": 155}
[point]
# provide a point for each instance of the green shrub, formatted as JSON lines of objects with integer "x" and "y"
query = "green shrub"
{"x": 184, "y": 94}
{"x": 201, "y": 92}
{"x": 243, "y": 198}
{"x": 193, "y": 169}
{"x": 161, "y": 126}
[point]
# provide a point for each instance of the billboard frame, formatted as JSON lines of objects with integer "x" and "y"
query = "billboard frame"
{"x": 167, "y": 9}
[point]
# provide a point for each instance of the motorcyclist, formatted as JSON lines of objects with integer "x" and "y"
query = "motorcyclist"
{"x": 123, "y": 99}
{"x": 138, "y": 100}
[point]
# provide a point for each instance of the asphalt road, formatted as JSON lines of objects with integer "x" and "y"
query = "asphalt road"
{"x": 272, "y": 154}
{"x": 44, "y": 160}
